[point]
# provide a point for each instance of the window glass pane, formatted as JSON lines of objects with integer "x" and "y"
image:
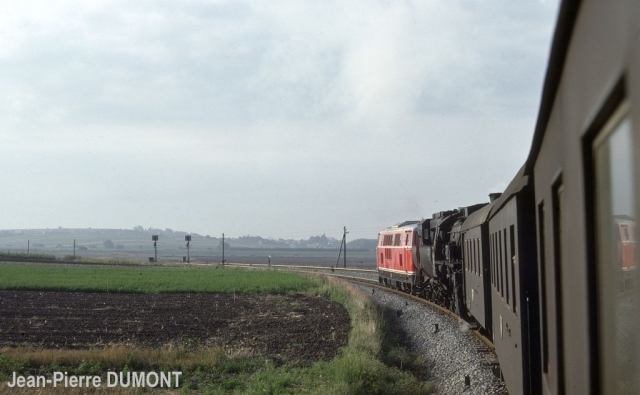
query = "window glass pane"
{"x": 513, "y": 267}
{"x": 476, "y": 258}
{"x": 617, "y": 260}
{"x": 543, "y": 290}
{"x": 500, "y": 262}
{"x": 506, "y": 266}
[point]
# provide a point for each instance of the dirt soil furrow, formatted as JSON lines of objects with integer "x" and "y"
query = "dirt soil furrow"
{"x": 282, "y": 327}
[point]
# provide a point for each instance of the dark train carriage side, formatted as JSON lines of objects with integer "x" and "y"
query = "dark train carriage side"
{"x": 514, "y": 282}
{"x": 477, "y": 274}
{"x": 585, "y": 158}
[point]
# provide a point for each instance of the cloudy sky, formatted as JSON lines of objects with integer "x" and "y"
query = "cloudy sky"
{"x": 282, "y": 119}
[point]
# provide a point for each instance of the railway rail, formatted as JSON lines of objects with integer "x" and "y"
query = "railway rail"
{"x": 374, "y": 283}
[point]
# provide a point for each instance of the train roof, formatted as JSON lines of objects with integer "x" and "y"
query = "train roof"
{"x": 477, "y": 218}
{"x": 401, "y": 226}
{"x": 566, "y": 21}
{"x": 517, "y": 185}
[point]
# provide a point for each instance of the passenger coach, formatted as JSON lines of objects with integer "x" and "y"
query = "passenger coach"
{"x": 514, "y": 286}
{"x": 585, "y": 159}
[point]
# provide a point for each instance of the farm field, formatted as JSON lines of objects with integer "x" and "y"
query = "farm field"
{"x": 146, "y": 279}
{"x": 282, "y": 327}
{"x": 243, "y": 331}
{"x": 327, "y": 258}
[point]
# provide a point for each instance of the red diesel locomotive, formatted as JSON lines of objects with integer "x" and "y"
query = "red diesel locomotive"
{"x": 397, "y": 255}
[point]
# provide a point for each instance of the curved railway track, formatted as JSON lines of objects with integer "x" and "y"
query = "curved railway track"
{"x": 347, "y": 274}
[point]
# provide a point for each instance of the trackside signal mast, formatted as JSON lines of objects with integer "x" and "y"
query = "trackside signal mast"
{"x": 187, "y": 238}
{"x": 155, "y": 247}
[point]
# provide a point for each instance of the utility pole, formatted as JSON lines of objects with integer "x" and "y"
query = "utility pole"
{"x": 344, "y": 243}
{"x": 28, "y": 241}
{"x": 344, "y": 240}
{"x": 74, "y": 248}
{"x": 223, "y": 248}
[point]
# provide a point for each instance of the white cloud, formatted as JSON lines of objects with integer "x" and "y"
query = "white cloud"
{"x": 300, "y": 101}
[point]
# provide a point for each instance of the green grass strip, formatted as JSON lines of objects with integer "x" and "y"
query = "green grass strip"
{"x": 148, "y": 280}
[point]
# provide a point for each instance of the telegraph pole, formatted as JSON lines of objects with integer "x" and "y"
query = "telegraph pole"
{"x": 223, "y": 248}
{"x": 154, "y": 238}
{"x": 344, "y": 240}
{"x": 344, "y": 243}
{"x": 28, "y": 241}
{"x": 74, "y": 248}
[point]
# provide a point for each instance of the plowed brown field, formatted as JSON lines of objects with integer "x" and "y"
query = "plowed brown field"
{"x": 283, "y": 328}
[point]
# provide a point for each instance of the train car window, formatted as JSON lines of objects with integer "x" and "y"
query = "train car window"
{"x": 466, "y": 255}
{"x": 474, "y": 248}
{"x": 495, "y": 261}
{"x": 499, "y": 254}
{"x": 478, "y": 259}
{"x": 512, "y": 246}
{"x": 475, "y": 255}
{"x": 506, "y": 266}
{"x": 494, "y": 258}
{"x": 480, "y": 273}
{"x": 471, "y": 257}
{"x": 618, "y": 308}
{"x": 491, "y": 265}
{"x": 396, "y": 241}
{"x": 543, "y": 289}
{"x": 496, "y": 250}
{"x": 470, "y": 254}
{"x": 557, "y": 194}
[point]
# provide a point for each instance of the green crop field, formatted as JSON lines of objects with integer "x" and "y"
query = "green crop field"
{"x": 213, "y": 279}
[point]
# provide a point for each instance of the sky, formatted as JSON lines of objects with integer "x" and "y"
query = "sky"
{"x": 282, "y": 119}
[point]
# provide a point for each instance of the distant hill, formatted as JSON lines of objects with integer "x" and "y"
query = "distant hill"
{"x": 362, "y": 244}
{"x": 136, "y": 245}
{"x": 61, "y": 240}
